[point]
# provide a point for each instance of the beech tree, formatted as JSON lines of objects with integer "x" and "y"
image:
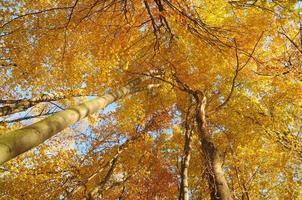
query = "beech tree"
{"x": 150, "y": 99}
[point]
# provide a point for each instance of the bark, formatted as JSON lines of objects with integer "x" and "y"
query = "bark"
{"x": 16, "y": 142}
{"x": 14, "y": 106}
{"x": 216, "y": 179}
{"x": 184, "y": 185}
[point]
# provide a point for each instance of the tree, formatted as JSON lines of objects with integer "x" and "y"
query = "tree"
{"x": 209, "y": 98}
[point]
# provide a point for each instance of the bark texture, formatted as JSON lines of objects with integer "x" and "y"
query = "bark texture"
{"x": 16, "y": 142}
{"x": 184, "y": 184}
{"x": 13, "y": 106}
{"x": 184, "y": 188}
{"x": 216, "y": 179}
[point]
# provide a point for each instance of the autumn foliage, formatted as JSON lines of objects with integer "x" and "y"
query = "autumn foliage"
{"x": 207, "y": 99}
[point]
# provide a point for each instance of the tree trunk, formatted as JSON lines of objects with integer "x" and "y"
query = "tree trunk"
{"x": 184, "y": 187}
{"x": 96, "y": 191}
{"x": 184, "y": 184}
{"x": 16, "y": 142}
{"x": 14, "y": 106}
{"x": 216, "y": 179}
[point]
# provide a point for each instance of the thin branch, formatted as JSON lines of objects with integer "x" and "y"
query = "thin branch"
{"x": 252, "y": 53}
{"x": 11, "y": 106}
{"x": 292, "y": 42}
{"x": 56, "y": 105}
{"x": 237, "y": 70}
{"x": 233, "y": 80}
{"x": 28, "y": 117}
{"x": 97, "y": 191}
{"x": 35, "y": 13}
{"x": 66, "y": 27}
{"x": 119, "y": 151}
{"x": 155, "y": 27}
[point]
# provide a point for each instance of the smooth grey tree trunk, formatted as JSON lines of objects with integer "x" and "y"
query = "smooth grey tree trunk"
{"x": 16, "y": 142}
{"x": 184, "y": 193}
{"x": 13, "y": 106}
{"x": 184, "y": 184}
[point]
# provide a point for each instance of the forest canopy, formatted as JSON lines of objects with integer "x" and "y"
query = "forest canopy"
{"x": 151, "y": 99}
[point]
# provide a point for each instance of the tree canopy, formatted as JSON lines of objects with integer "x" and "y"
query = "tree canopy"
{"x": 151, "y": 99}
